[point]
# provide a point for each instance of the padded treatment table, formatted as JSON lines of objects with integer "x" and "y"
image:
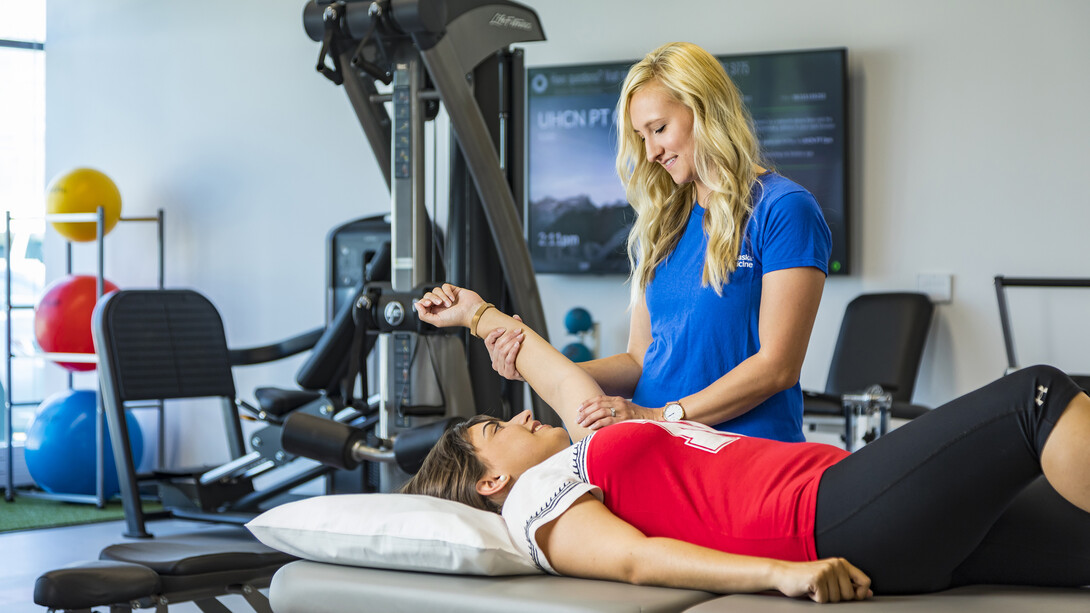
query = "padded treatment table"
{"x": 969, "y": 599}
{"x": 312, "y": 587}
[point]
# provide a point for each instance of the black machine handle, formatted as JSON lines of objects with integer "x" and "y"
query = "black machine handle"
{"x": 275, "y": 351}
{"x": 345, "y": 336}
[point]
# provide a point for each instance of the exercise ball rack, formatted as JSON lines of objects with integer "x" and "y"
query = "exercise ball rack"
{"x": 99, "y": 219}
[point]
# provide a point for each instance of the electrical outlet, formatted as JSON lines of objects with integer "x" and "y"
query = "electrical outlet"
{"x": 938, "y": 286}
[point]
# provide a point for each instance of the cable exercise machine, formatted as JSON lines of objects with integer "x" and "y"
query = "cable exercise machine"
{"x": 422, "y": 376}
{"x": 455, "y": 54}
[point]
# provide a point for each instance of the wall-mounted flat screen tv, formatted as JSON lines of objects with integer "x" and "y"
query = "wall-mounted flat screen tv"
{"x": 577, "y": 218}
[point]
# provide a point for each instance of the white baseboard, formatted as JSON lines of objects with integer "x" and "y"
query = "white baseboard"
{"x": 21, "y": 476}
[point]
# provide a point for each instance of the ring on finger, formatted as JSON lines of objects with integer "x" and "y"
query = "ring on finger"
{"x": 612, "y": 412}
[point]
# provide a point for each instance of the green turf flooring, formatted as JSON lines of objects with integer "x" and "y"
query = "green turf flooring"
{"x": 26, "y": 513}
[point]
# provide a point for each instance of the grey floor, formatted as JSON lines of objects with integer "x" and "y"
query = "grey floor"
{"x": 26, "y": 555}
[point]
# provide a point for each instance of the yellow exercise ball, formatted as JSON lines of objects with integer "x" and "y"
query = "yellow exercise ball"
{"x": 83, "y": 190}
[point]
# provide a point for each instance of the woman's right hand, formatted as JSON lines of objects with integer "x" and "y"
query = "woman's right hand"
{"x": 827, "y": 580}
{"x": 503, "y": 347}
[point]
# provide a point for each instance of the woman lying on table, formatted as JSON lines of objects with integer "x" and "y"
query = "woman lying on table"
{"x": 945, "y": 500}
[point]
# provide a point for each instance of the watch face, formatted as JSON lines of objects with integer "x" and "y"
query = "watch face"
{"x": 673, "y": 412}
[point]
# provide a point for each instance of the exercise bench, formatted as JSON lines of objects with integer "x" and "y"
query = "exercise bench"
{"x": 197, "y": 567}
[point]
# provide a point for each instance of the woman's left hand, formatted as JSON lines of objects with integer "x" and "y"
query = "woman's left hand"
{"x": 448, "y": 305}
{"x": 826, "y": 580}
{"x": 601, "y": 411}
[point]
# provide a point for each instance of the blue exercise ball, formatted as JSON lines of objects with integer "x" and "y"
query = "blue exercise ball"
{"x": 578, "y": 320}
{"x": 577, "y": 352}
{"x": 60, "y": 445}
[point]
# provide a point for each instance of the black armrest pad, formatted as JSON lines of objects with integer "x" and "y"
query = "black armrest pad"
{"x": 96, "y": 583}
{"x": 279, "y": 402}
{"x": 905, "y": 410}
{"x": 819, "y": 403}
{"x": 811, "y": 395}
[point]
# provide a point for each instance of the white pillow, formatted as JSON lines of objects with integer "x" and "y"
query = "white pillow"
{"x": 396, "y": 531}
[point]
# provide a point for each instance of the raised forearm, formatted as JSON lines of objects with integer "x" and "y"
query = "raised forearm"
{"x": 561, "y": 384}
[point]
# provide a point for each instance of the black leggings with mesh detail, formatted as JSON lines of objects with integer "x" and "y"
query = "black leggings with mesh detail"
{"x": 956, "y": 497}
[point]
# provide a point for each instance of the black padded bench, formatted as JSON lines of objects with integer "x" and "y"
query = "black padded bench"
{"x": 196, "y": 567}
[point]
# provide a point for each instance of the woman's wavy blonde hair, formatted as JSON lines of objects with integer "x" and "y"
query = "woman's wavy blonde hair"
{"x": 725, "y": 154}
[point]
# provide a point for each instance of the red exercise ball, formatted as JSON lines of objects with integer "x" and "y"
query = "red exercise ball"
{"x": 62, "y": 319}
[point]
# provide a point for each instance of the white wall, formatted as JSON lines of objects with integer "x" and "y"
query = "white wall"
{"x": 968, "y": 134}
{"x": 214, "y": 112}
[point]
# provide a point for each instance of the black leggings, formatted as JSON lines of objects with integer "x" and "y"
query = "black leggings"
{"x": 956, "y": 497}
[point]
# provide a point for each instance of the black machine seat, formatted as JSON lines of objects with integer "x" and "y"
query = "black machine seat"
{"x": 275, "y": 403}
{"x": 881, "y": 342}
{"x": 195, "y": 567}
{"x": 167, "y": 344}
{"x": 159, "y": 345}
{"x": 170, "y": 344}
{"x": 832, "y": 405}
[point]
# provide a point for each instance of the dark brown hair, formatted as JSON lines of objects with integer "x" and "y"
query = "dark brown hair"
{"x": 452, "y": 468}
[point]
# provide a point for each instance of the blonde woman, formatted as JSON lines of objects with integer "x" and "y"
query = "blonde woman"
{"x": 728, "y": 262}
{"x": 952, "y": 498}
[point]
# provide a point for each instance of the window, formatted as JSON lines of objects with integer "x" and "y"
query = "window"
{"x": 22, "y": 184}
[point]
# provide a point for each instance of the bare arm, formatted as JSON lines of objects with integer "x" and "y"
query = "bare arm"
{"x": 589, "y": 541}
{"x": 616, "y": 374}
{"x": 559, "y": 382}
{"x": 789, "y": 303}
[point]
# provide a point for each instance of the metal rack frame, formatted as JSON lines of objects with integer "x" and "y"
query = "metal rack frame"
{"x": 1001, "y": 285}
{"x": 99, "y": 219}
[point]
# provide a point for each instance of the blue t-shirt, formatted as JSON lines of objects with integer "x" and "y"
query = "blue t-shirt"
{"x": 697, "y": 336}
